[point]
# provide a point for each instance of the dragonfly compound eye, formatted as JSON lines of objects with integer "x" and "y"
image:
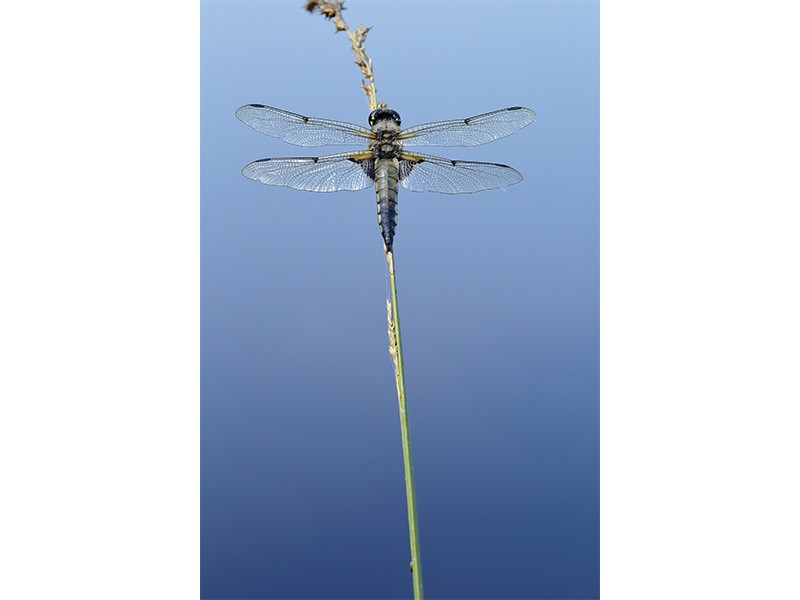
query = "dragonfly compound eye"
{"x": 383, "y": 114}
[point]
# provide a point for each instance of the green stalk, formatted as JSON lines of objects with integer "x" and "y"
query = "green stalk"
{"x": 396, "y": 350}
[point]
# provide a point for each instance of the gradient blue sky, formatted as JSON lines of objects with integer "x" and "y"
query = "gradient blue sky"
{"x": 302, "y": 482}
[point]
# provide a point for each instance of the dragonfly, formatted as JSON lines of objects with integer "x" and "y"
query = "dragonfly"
{"x": 383, "y": 161}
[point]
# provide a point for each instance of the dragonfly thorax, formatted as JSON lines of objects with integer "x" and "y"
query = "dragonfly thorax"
{"x": 385, "y": 124}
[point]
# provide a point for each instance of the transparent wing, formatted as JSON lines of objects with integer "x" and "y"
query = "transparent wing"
{"x": 332, "y": 173}
{"x": 474, "y": 131}
{"x": 302, "y": 131}
{"x": 423, "y": 173}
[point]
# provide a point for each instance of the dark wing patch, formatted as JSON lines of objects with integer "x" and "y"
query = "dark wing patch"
{"x": 367, "y": 162}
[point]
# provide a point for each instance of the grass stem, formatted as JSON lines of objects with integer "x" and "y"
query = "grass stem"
{"x": 396, "y": 350}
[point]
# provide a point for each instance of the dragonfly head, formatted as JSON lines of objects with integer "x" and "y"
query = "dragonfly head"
{"x": 385, "y": 118}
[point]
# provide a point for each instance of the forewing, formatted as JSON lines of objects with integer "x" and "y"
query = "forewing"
{"x": 336, "y": 172}
{"x": 300, "y": 130}
{"x": 474, "y": 131}
{"x": 423, "y": 173}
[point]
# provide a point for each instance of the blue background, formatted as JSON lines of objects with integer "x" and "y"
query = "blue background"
{"x": 302, "y": 491}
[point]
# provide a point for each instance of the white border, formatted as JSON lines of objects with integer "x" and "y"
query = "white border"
{"x": 99, "y": 431}
{"x": 699, "y": 300}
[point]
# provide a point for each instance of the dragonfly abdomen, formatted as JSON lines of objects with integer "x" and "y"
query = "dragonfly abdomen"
{"x": 386, "y": 178}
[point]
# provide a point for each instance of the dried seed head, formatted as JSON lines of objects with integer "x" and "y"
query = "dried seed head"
{"x": 361, "y": 34}
{"x": 311, "y": 5}
{"x": 332, "y": 10}
{"x": 327, "y": 8}
{"x": 392, "y": 334}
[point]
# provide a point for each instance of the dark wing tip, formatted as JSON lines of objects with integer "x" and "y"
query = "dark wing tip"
{"x": 524, "y": 108}
{"x": 528, "y": 110}
{"x": 250, "y": 106}
{"x": 248, "y": 168}
{"x": 510, "y": 170}
{"x": 241, "y": 109}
